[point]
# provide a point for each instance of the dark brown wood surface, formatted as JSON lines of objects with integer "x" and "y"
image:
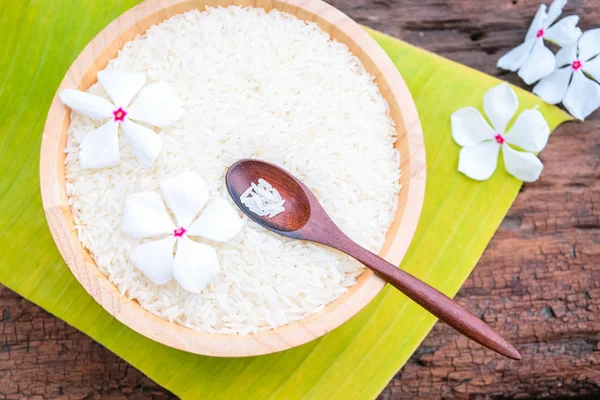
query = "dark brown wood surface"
{"x": 538, "y": 282}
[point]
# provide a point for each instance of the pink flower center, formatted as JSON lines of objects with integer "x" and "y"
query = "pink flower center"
{"x": 120, "y": 114}
{"x": 576, "y": 65}
{"x": 179, "y": 232}
{"x": 499, "y": 138}
{"x": 540, "y": 33}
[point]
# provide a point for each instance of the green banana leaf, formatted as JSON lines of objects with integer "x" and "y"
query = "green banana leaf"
{"x": 40, "y": 40}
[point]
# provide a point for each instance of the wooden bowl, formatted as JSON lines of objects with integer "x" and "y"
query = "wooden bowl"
{"x": 82, "y": 75}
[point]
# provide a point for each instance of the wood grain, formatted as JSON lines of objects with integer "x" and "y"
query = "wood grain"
{"x": 539, "y": 275}
{"x": 82, "y": 75}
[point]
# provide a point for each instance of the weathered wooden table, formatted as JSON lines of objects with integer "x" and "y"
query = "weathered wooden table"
{"x": 538, "y": 282}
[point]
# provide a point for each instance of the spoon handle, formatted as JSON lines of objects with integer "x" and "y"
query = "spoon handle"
{"x": 432, "y": 300}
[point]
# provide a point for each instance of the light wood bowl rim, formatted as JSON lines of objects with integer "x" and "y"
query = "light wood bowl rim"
{"x": 82, "y": 74}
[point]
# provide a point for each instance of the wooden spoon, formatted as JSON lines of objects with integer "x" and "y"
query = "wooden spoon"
{"x": 305, "y": 219}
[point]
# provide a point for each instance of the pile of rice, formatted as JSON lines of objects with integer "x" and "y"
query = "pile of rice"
{"x": 263, "y": 199}
{"x": 254, "y": 85}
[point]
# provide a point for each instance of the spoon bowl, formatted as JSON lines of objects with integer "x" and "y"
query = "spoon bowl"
{"x": 238, "y": 179}
{"x": 304, "y": 218}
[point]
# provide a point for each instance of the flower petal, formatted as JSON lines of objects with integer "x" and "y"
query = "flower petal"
{"x": 155, "y": 260}
{"x": 565, "y": 32}
{"x": 145, "y": 215}
{"x": 592, "y": 68}
{"x": 219, "y": 221}
{"x": 121, "y": 86}
{"x": 87, "y": 104}
{"x": 530, "y": 131}
{"x": 469, "y": 127}
{"x": 146, "y": 143}
{"x": 538, "y": 22}
{"x": 553, "y": 88}
{"x": 583, "y": 96}
{"x": 523, "y": 166}
{"x": 100, "y": 147}
{"x": 500, "y": 104}
{"x": 554, "y": 12}
{"x": 589, "y": 44}
{"x": 185, "y": 194}
{"x": 514, "y": 59}
{"x": 479, "y": 162}
{"x": 540, "y": 64}
{"x": 156, "y": 105}
{"x": 195, "y": 265}
{"x": 566, "y": 55}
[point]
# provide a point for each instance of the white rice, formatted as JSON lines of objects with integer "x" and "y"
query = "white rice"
{"x": 254, "y": 85}
{"x": 263, "y": 199}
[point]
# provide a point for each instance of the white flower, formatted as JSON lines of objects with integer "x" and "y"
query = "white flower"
{"x": 194, "y": 264}
{"x": 569, "y": 84}
{"x": 482, "y": 143}
{"x": 533, "y": 59}
{"x": 155, "y": 105}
